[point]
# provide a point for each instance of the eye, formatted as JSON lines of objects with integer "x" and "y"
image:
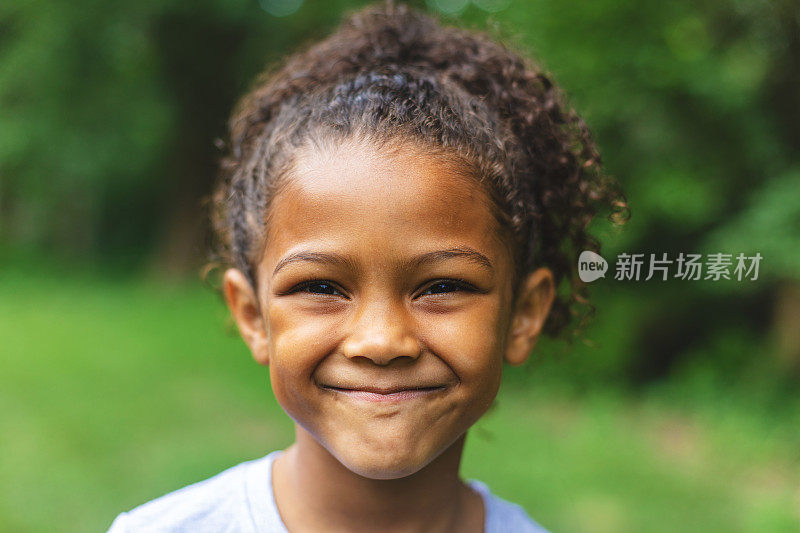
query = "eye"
{"x": 444, "y": 286}
{"x": 318, "y": 287}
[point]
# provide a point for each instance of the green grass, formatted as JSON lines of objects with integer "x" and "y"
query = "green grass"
{"x": 115, "y": 391}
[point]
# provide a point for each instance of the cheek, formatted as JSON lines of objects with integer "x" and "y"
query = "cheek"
{"x": 471, "y": 342}
{"x": 297, "y": 344}
{"x": 297, "y": 340}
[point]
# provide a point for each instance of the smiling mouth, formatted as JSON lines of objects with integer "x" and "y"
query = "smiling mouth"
{"x": 377, "y": 394}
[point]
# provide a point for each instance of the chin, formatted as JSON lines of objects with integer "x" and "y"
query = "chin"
{"x": 387, "y": 463}
{"x": 383, "y": 470}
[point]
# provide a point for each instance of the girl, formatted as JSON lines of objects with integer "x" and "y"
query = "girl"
{"x": 400, "y": 204}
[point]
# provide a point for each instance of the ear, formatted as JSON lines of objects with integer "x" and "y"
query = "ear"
{"x": 536, "y": 296}
{"x": 243, "y": 304}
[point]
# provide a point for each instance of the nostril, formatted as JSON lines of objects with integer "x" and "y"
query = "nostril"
{"x": 381, "y": 350}
{"x": 398, "y": 361}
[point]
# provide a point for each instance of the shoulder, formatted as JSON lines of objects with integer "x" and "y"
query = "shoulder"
{"x": 503, "y": 516}
{"x": 220, "y": 503}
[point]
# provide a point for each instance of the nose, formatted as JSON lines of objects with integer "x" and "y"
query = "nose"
{"x": 382, "y": 333}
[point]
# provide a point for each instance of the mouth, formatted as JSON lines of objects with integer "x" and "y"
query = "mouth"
{"x": 384, "y": 394}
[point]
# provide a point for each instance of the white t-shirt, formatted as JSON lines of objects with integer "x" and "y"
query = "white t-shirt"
{"x": 240, "y": 499}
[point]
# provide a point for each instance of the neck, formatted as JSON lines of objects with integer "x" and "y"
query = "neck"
{"x": 315, "y": 492}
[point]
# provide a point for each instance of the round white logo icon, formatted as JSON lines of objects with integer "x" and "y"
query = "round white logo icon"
{"x": 591, "y": 266}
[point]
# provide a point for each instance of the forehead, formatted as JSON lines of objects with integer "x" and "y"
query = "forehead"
{"x": 389, "y": 203}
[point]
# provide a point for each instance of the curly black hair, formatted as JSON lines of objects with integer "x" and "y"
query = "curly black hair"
{"x": 391, "y": 74}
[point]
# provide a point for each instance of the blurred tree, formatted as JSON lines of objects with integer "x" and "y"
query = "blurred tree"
{"x": 83, "y": 115}
{"x": 196, "y": 46}
{"x": 110, "y": 112}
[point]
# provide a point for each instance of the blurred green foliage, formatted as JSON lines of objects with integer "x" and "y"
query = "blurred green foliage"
{"x": 110, "y": 110}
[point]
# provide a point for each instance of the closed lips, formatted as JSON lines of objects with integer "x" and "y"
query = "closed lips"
{"x": 383, "y": 390}
{"x": 378, "y": 395}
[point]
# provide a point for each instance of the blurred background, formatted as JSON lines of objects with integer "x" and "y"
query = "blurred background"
{"x": 121, "y": 377}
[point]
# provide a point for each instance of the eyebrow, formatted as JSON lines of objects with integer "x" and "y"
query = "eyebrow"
{"x": 451, "y": 253}
{"x": 429, "y": 257}
{"x": 314, "y": 257}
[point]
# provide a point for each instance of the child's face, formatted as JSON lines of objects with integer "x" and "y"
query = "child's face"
{"x": 386, "y": 305}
